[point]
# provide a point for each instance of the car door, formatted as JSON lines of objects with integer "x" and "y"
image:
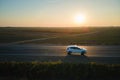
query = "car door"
{"x": 78, "y": 50}
{"x": 75, "y": 50}
{"x": 72, "y": 49}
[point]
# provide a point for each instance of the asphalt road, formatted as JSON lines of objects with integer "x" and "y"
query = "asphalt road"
{"x": 52, "y": 50}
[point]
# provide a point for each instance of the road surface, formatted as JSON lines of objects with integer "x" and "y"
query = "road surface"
{"x": 46, "y": 53}
{"x": 52, "y": 50}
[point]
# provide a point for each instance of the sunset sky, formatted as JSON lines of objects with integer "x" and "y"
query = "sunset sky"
{"x": 59, "y": 13}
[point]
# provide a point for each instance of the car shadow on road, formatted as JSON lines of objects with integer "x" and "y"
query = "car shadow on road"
{"x": 76, "y": 59}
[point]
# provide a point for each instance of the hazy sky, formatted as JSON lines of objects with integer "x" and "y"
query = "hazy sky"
{"x": 59, "y": 12}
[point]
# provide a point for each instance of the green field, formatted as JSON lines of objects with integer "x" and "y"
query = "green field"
{"x": 68, "y": 35}
{"x": 58, "y": 71}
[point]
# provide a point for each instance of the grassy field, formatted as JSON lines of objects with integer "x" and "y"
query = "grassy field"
{"x": 102, "y": 35}
{"x": 58, "y": 71}
{"x": 13, "y": 34}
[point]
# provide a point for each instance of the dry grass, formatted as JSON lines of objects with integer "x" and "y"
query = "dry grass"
{"x": 105, "y": 35}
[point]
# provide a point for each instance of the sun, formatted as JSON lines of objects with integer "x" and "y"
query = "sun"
{"x": 79, "y": 18}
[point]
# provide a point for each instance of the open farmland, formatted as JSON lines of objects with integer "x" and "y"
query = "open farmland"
{"x": 102, "y": 36}
{"x": 24, "y": 62}
{"x": 80, "y": 36}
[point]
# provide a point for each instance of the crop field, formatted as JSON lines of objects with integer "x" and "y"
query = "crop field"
{"x": 58, "y": 71}
{"x": 68, "y": 35}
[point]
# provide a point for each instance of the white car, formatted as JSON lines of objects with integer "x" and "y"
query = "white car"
{"x": 76, "y": 49}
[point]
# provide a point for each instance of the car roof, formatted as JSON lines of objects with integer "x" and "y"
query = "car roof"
{"x": 72, "y": 46}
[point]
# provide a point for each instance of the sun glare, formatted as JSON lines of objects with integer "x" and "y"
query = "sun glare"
{"x": 79, "y": 19}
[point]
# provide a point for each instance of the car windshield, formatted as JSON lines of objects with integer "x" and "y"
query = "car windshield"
{"x": 75, "y": 48}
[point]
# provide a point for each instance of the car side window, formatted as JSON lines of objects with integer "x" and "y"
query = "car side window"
{"x": 72, "y": 48}
{"x": 75, "y": 48}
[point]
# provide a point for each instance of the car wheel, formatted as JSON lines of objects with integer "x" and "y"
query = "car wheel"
{"x": 69, "y": 53}
{"x": 83, "y": 52}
